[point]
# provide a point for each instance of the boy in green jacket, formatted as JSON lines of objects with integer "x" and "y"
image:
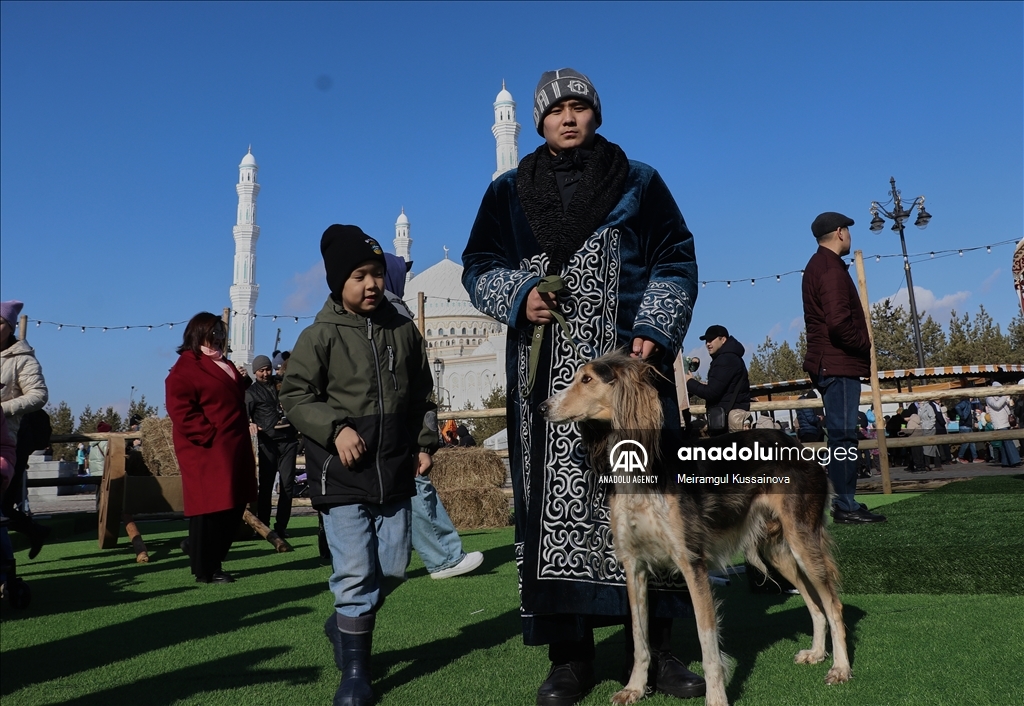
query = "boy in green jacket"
{"x": 358, "y": 387}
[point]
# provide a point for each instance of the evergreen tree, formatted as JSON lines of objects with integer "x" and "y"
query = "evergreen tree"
{"x": 1015, "y": 332}
{"x": 489, "y": 426}
{"x": 62, "y": 421}
{"x": 773, "y": 362}
{"x": 139, "y": 408}
{"x": 894, "y": 337}
{"x": 933, "y": 340}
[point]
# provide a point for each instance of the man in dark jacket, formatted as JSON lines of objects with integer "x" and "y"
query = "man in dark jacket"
{"x": 838, "y": 356}
{"x": 278, "y": 444}
{"x": 728, "y": 385}
{"x": 580, "y": 230}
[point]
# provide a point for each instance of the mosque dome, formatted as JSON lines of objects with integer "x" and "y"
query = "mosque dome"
{"x": 442, "y": 286}
{"x": 504, "y": 96}
{"x": 403, "y": 220}
{"x": 248, "y": 160}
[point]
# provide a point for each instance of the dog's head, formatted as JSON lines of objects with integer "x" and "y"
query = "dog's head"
{"x": 615, "y": 389}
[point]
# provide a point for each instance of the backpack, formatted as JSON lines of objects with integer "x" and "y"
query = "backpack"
{"x": 34, "y": 432}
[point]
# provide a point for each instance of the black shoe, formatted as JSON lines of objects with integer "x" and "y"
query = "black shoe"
{"x": 37, "y": 537}
{"x": 216, "y": 577}
{"x": 859, "y": 516}
{"x": 670, "y": 676}
{"x": 566, "y": 684}
{"x": 281, "y": 533}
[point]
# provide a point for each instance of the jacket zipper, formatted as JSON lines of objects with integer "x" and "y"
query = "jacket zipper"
{"x": 391, "y": 366}
{"x": 323, "y": 475}
{"x": 380, "y": 404}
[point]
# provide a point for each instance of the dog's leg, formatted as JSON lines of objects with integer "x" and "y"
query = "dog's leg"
{"x": 636, "y": 588}
{"x": 781, "y": 557}
{"x": 811, "y": 552}
{"x": 695, "y": 572}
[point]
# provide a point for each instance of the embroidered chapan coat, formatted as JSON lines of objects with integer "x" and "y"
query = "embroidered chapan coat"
{"x": 636, "y": 275}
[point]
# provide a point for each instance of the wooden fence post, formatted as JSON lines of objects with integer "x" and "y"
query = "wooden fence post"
{"x": 22, "y": 327}
{"x": 420, "y": 307}
{"x": 876, "y": 392}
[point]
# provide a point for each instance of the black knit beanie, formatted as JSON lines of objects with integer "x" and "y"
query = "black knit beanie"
{"x": 555, "y": 86}
{"x": 344, "y": 248}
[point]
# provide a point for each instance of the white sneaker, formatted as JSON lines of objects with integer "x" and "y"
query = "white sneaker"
{"x": 468, "y": 563}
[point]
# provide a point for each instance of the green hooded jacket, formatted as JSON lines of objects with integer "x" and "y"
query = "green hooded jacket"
{"x": 371, "y": 374}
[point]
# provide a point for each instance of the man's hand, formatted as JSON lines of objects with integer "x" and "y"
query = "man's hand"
{"x": 350, "y": 446}
{"x": 253, "y": 429}
{"x": 423, "y": 464}
{"x": 539, "y": 306}
{"x": 643, "y": 348}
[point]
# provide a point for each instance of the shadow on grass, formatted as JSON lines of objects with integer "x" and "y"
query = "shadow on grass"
{"x": 747, "y": 630}
{"x": 148, "y": 633}
{"x": 423, "y": 659}
{"x": 234, "y": 672}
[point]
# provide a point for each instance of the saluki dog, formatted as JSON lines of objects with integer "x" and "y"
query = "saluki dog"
{"x": 762, "y": 506}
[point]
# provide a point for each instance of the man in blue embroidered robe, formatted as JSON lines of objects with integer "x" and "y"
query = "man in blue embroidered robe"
{"x": 608, "y": 226}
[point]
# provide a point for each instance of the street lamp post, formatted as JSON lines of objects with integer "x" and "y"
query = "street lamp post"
{"x": 898, "y": 215}
{"x": 438, "y": 373}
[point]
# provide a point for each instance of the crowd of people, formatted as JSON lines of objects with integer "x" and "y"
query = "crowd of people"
{"x": 579, "y": 236}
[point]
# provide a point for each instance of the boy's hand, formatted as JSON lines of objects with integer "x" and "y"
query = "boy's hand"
{"x": 350, "y": 446}
{"x": 423, "y": 464}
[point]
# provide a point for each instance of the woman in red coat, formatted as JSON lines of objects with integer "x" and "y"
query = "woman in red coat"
{"x": 206, "y": 403}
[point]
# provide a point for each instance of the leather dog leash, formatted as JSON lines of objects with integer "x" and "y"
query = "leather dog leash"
{"x": 551, "y": 283}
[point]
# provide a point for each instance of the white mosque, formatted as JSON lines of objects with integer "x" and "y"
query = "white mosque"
{"x": 466, "y": 347}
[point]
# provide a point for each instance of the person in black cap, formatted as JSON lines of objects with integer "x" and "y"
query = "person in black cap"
{"x": 581, "y": 230}
{"x": 278, "y": 444}
{"x": 358, "y": 387}
{"x": 728, "y": 385}
{"x": 838, "y": 356}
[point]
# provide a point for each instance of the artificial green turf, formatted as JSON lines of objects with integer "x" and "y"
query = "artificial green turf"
{"x": 104, "y": 630}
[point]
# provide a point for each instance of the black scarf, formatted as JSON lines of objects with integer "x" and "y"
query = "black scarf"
{"x": 560, "y": 234}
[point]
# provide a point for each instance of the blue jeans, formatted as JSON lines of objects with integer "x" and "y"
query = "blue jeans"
{"x": 1009, "y": 455}
{"x": 370, "y": 549}
{"x": 433, "y": 535}
{"x": 841, "y": 397}
{"x": 965, "y": 447}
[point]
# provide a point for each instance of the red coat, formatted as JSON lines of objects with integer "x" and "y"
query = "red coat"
{"x": 211, "y": 435}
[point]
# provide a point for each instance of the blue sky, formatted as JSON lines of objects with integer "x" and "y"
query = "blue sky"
{"x": 122, "y": 126}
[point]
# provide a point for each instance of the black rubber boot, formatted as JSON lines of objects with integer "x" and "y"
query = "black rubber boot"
{"x": 352, "y": 657}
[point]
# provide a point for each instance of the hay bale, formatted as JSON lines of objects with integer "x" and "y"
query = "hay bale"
{"x": 477, "y": 508}
{"x": 467, "y": 468}
{"x": 158, "y": 447}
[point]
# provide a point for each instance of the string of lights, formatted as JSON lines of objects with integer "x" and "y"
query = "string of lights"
{"x": 923, "y": 257}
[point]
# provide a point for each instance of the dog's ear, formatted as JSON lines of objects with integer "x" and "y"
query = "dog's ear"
{"x": 635, "y": 399}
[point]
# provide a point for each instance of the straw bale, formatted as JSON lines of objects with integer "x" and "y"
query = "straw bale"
{"x": 465, "y": 468}
{"x": 158, "y": 447}
{"x": 477, "y": 508}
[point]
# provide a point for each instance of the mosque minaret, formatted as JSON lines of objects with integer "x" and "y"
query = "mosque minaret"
{"x": 506, "y": 132}
{"x": 402, "y": 241}
{"x": 244, "y": 289}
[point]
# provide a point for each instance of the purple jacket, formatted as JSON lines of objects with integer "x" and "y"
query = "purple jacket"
{"x": 837, "y": 335}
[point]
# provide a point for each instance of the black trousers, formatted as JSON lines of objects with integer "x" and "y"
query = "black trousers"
{"x": 276, "y": 456}
{"x": 210, "y": 537}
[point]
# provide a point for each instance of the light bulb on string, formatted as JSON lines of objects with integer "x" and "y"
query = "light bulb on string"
{"x": 149, "y": 328}
{"x": 878, "y": 258}
{"x": 704, "y": 285}
{"x": 296, "y": 319}
{"x": 728, "y": 283}
{"x": 83, "y": 329}
{"x": 274, "y": 319}
{"x": 38, "y": 323}
{"x": 961, "y": 252}
{"x": 933, "y": 256}
{"x": 778, "y": 278}
{"x": 60, "y": 326}
{"x": 988, "y": 248}
{"x": 104, "y": 329}
{"x": 751, "y": 282}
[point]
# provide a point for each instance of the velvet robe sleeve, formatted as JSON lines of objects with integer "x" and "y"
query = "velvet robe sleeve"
{"x": 667, "y": 303}
{"x": 496, "y": 285}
